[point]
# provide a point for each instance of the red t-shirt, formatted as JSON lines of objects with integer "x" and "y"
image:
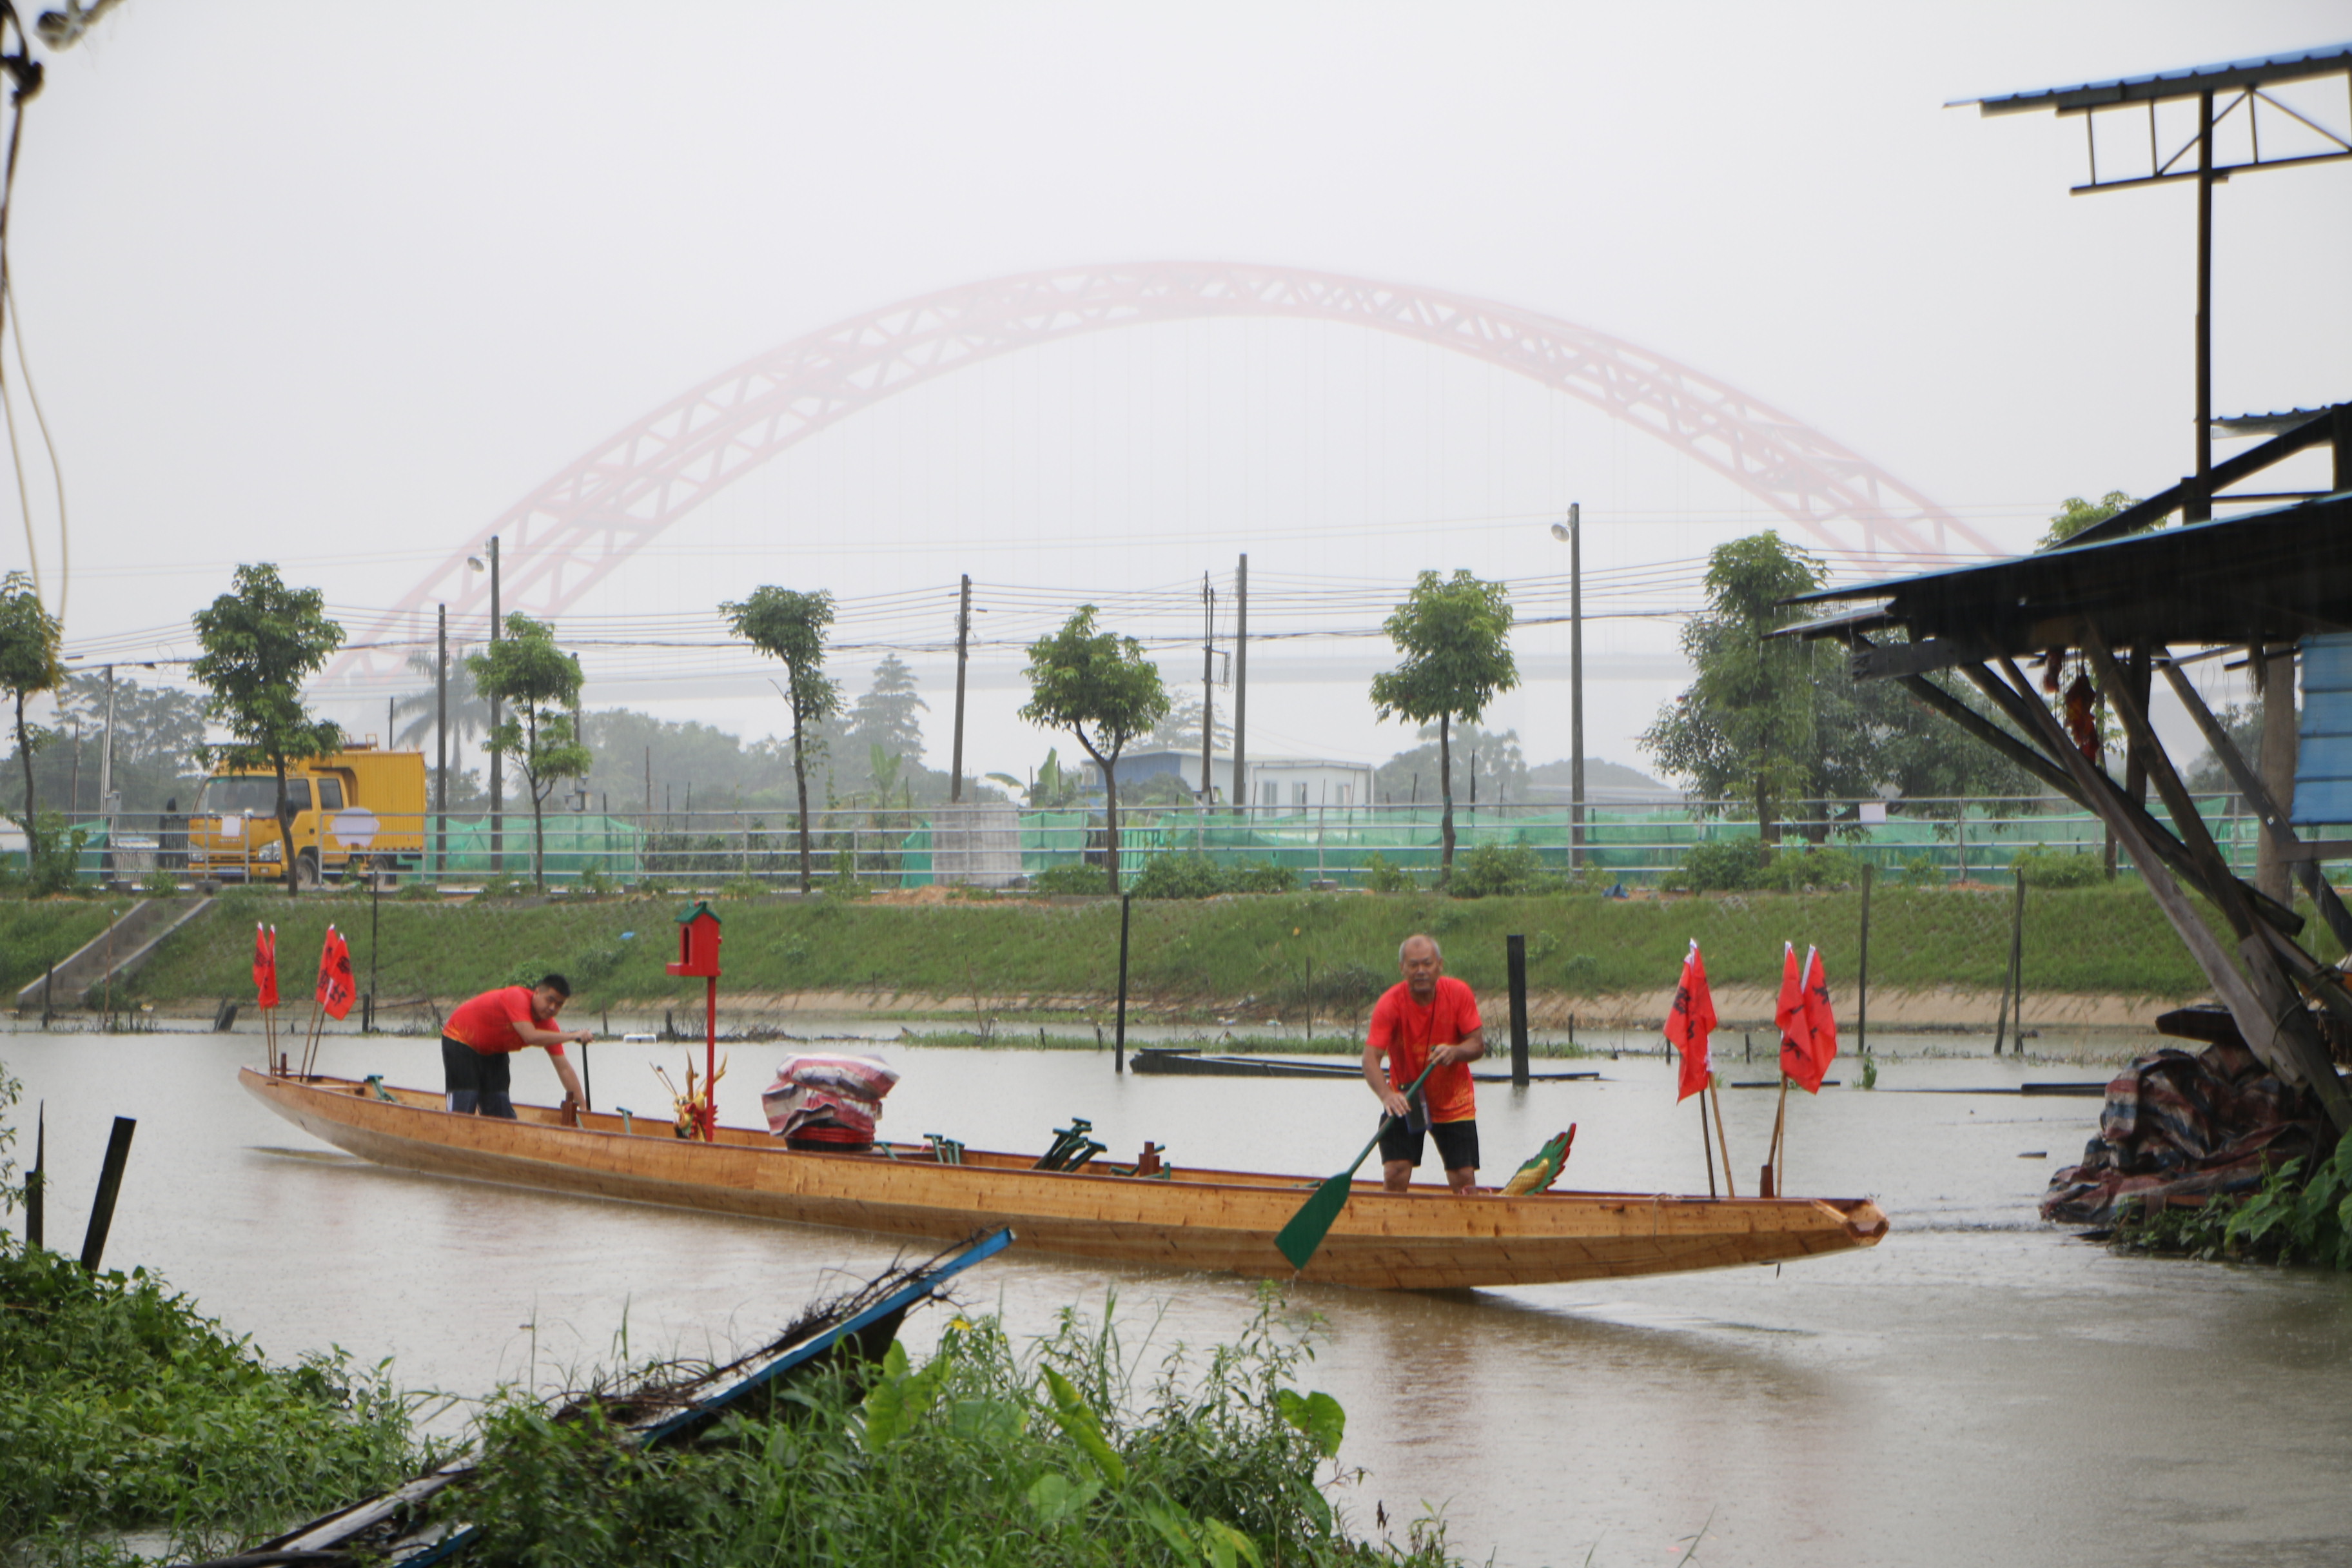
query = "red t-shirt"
{"x": 1405, "y": 1031}
{"x": 487, "y": 1021}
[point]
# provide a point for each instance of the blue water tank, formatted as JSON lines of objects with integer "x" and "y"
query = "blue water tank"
{"x": 2323, "y": 764}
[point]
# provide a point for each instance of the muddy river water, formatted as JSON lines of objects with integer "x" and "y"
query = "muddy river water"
{"x": 1978, "y": 1389}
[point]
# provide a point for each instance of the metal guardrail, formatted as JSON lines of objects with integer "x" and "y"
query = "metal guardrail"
{"x": 1974, "y": 839}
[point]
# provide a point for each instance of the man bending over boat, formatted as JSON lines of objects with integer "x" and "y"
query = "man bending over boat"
{"x": 481, "y": 1036}
{"x": 1428, "y": 1017}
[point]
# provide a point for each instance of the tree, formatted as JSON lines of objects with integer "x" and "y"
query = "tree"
{"x": 1455, "y": 635}
{"x": 1778, "y": 719}
{"x": 261, "y": 641}
{"x": 886, "y": 715}
{"x": 470, "y": 711}
{"x": 2075, "y": 514}
{"x": 1100, "y": 688}
{"x": 540, "y": 685}
{"x": 1179, "y": 731}
{"x": 1498, "y": 771}
{"x": 159, "y": 734}
{"x": 30, "y": 664}
{"x": 790, "y": 627}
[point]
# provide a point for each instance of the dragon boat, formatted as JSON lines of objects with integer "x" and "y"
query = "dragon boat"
{"x": 1190, "y": 1218}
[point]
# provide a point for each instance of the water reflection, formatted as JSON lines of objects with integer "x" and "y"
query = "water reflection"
{"x": 1977, "y": 1389}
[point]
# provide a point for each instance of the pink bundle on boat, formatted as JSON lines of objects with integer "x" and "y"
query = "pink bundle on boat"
{"x": 827, "y": 1098}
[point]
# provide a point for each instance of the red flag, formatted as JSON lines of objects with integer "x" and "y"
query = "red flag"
{"x": 337, "y": 989}
{"x": 1818, "y": 1023}
{"x": 1690, "y": 1023}
{"x": 1796, "y": 1029}
{"x": 265, "y": 965}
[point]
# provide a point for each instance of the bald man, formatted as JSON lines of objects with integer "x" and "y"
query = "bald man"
{"x": 1428, "y": 1017}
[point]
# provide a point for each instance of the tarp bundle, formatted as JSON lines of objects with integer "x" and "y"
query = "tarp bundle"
{"x": 2188, "y": 1126}
{"x": 827, "y": 1098}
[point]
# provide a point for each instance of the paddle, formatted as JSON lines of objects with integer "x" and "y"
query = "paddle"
{"x": 1305, "y": 1233}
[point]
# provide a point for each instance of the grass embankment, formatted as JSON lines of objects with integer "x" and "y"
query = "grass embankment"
{"x": 1275, "y": 951}
{"x": 124, "y": 1409}
{"x": 38, "y": 932}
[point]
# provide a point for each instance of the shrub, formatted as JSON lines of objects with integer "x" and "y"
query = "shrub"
{"x": 1794, "y": 872}
{"x": 1193, "y": 875}
{"x": 1497, "y": 871}
{"x": 159, "y": 884}
{"x": 124, "y": 1409}
{"x": 1383, "y": 877}
{"x": 2042, "y": 866}
{"x": 1921, "y": 872}
{"x": 1189, "y": 875}
{"x": 1580, "y": 975}
{"x": 1722, "y": 866}
{"x": 1070, "y": 876}
{"x": 745, "y": 888}
{"x": 2301, "y": 1213}
{"x": 1263, "y": 877}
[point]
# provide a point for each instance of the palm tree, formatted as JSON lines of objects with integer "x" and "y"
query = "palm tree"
{"x": 470, "y": 711}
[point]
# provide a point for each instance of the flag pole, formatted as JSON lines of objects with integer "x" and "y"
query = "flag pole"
{"x": 1780, "y": 1120}
{"x": 1714, "y": 1091}
{"x": 1705, "y": 1143}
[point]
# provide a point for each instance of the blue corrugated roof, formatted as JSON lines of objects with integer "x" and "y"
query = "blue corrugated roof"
{"x": 2324, "y": 60}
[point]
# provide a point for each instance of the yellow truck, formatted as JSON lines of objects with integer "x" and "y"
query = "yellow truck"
{"x": 359, "y": 812}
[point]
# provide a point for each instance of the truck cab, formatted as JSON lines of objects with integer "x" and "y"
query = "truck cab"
{"x": 359, "y": 812}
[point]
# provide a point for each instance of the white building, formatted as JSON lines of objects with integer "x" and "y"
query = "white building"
{"x": 1290, "y": 784}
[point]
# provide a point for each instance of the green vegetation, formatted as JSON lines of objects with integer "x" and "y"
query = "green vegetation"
{"x": 1455, "y": 636}
{"x": 2297, "y": 1215}
{"x": 1193, "y": 875}
{"x": 38, "y": 932}
{"x": 1776, "y": 721}
{"x": 2108, "y": 940}
{"x": 527, "y": 669}
{"x": 2043, "y": 866}
{"x": 981, "y": 1456}
{"x": 1747, "y": 864}
{"x": 1100, "y": 688}
{"x": 123, "y": 1408}
{"x": 261, "y": 643}
{"x": 30, "y": 638}
{"x": 1501, "y": 871}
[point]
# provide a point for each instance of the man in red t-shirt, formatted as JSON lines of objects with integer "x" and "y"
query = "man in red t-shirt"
{"x": 481, "y": 1036}
{"x": 1428, "y": 1018}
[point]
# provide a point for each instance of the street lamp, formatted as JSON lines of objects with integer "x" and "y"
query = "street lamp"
{"x": 1571, "y": 534}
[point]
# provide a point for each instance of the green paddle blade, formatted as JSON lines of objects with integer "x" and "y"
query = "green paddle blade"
{"x": 1305, "y": 1233}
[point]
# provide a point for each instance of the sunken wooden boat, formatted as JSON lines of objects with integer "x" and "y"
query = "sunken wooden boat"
{"x": 1426, "y": 1239}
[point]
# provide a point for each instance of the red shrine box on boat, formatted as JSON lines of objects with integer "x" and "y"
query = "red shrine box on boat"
{"x": 697, "y": 943}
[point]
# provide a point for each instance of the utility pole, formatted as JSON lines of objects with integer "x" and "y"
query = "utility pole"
{"x": 441, "y": 743}
{"x": 963, "y": 648}
{"x": 1575, "y": 685}
{"x": 2200, "y": 507}
{"x": 106, "y": 756}
{"x": 498, "y": 771}
{"x": 1240, "y": 681}
{"x": 1208, "y": 688}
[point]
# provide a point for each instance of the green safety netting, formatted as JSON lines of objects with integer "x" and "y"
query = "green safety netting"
{"x": 1335, "y": 844}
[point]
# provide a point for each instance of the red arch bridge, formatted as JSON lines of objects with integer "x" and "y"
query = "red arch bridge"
{"x": 587, "y": 520}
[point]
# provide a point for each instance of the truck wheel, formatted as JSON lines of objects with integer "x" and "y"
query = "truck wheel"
{"x": 306, "y": 869}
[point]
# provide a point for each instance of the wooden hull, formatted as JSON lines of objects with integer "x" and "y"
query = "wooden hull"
{"x": 1220, "y": 1220}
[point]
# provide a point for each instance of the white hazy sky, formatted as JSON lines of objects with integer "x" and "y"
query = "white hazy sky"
{"x": 334, "y": 286}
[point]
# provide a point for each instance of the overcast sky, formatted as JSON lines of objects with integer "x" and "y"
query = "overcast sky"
{"x": 335, "y": 286}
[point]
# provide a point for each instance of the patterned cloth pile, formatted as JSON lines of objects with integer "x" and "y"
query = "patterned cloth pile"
{"x": 827, "y": 1098}
{"x": 2181, "y": 1127}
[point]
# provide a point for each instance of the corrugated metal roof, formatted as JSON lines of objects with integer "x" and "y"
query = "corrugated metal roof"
{"x": 2275, "y": 575}
{"x": 2188, "y": 81}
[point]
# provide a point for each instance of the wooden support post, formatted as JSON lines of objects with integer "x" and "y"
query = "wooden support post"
{"x": 1715, "y": 1092}
{"x": 36, "y": 1182}
{"x": 110, "y": 1188}
{"x": 1862, "y": 971}
{"x": 1118, "y": 1047}
{"x": 2012, "y": 1002}
{"x": 2266, "y": 809}
{"x": 2265, "y": 1032}
{"x": 1707, "y": 1143}
{"x": 1516, "y": 954}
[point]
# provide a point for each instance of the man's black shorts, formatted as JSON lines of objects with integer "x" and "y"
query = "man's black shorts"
{"x": 478, "y": 1083}
{"x": 1457, "y": 1144}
